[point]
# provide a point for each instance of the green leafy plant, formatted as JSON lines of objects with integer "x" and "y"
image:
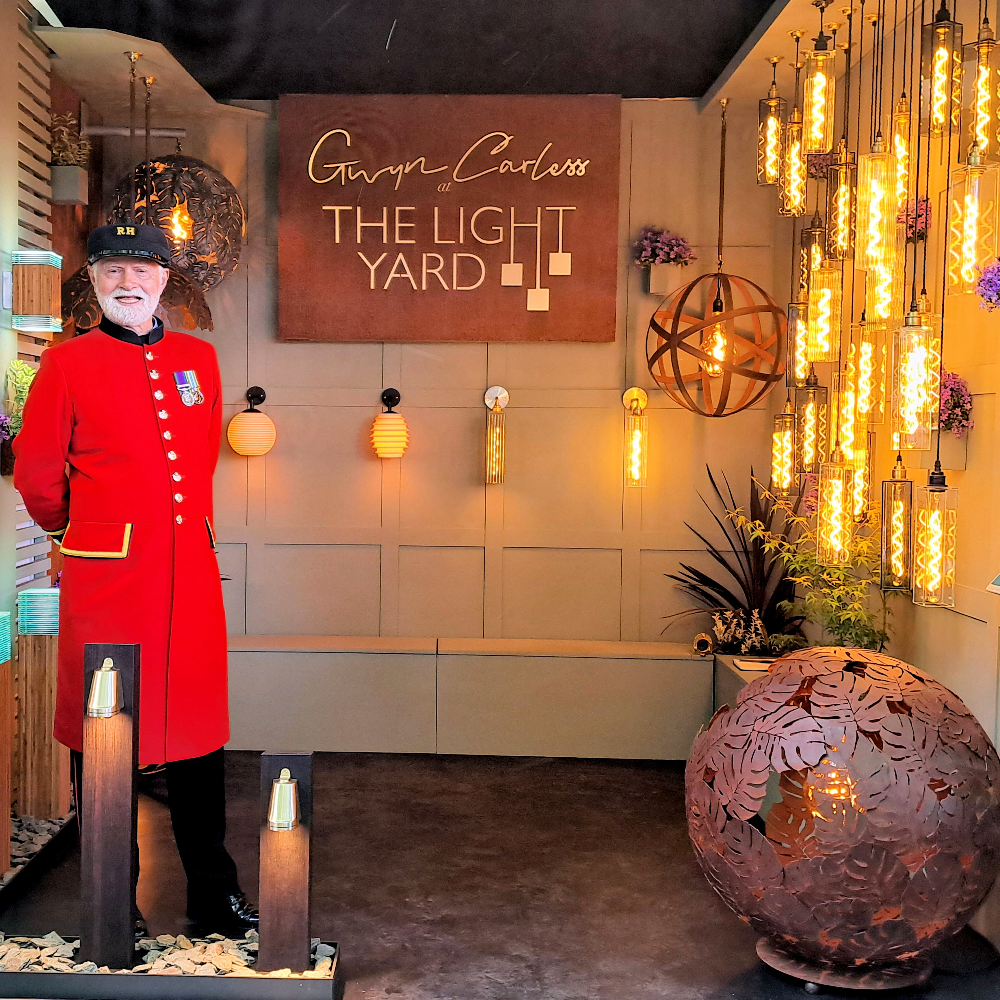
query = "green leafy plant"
{"x": 845, "y": 601}
{"x": 752, "y": 578}
{"x": 20, "y": 375}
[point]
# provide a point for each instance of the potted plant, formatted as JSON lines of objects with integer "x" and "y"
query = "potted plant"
{"x": 955, "y": 415}
{"x": 663, "y": 254}
{"x": 70, "y": 155}
{"x": 19, "y": 378}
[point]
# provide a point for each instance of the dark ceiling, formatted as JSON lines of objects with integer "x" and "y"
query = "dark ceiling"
{"x": 258, "y": 49}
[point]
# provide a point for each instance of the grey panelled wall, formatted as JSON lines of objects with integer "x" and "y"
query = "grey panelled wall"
{"x": 322, "y": 538}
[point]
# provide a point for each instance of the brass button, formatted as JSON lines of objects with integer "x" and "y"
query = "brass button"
{"x": 179, "y": 497}
{"x": 154, "y": 374}
{"x": 163, "y": 414}
{"x": 157, "y": 394}
{"x": 172, "y": 455}
{"x": 177, "y": 477}
{"x": 167, "y": 435}
{"x": 179, "y": 519}
{"x": 149, "y": 355}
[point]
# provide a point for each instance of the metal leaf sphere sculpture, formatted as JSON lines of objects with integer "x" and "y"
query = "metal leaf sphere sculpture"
{"x": 197, "y": 207}
{"x": 717, "y": 345}
{"x": 847, "y": 809}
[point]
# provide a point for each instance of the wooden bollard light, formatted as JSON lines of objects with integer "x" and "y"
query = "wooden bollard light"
{"x": 286, "y": 822}
{"x": 109, "y": 805}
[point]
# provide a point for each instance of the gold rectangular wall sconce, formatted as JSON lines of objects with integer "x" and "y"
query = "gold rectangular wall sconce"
{"x": 37, "y": 291}
{"x": 496, "y": 399}
{"x": 635, "y": 401}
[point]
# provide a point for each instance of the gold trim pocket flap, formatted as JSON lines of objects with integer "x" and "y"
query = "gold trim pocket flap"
{"x": 97, "y": 539}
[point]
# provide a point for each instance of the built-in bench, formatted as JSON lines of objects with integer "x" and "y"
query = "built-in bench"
{"x": 519, "y": 697}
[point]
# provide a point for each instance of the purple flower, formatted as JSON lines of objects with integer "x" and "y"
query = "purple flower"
{"x": 5, "y": 434}
{"x": 956, "y": 404}
{"x": 988, "y": 286}
{"x": 818, "y": 165}
{"x": 810, "y": 494}
{"x": 658, "y": 246}
{"x": 917, "y": 217}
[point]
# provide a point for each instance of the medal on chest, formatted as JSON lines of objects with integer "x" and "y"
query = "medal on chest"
{"x": 188, "y": 387}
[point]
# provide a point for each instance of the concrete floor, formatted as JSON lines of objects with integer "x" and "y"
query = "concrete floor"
{"x": 475, "y": 878}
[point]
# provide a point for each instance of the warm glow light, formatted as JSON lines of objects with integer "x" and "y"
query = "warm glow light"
{"x": 770, "y": 132}
{"x": 941, "y": 72}
{"x": 251, "y": 433}
{"x": 866, "y": 354}
{"x": 181, "y": 223}
{"x": 390, "y": 435}
{"x": 841, "y": 205}
{"x": 797, "y": 370}
{"x": 972, "y": 240}
{"x": 812, "y": 250}
{"x": 864, "y": 456}
{"x": 495, "y": 446}
{"x": 911, "y": 398}
{"x": 636, "y": 437}
{"x": 983, "y": 116}
{"x": 819, "y": 101}
{"x": 901, "y": 150}
{"x": 934, "y": 548}
{"x": 714, "y": 343}
{"x": 940, "y": 89}
{"x": 845, "y": 403}
{"x": 824, "y": 314}
{"x": 810, "y": 428}
{"x": 793, "y": 178}
{"x": 897, "y": 504}
{"x": 834, "y": 513}
{"x": 880, "y": 246}
{"x": 783, "y": 452}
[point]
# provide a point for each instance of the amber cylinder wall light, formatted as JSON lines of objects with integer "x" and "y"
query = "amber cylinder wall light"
{"x": 811, "y": 406}
{"x": 797, "y": 366}
{"x": 390, "y": 435}
{"x": 635, "y": 401}
{"x": 820, "y": 94}
{"x": 834, "y": 517}
{"x": 841, "y": 204}
{"x": 825, "y": 292}
{"x": 936, "y": 523}
{"x": 496, "y": 400}
{"x": 252, "y": 432}
{"x": 783, "y": 452}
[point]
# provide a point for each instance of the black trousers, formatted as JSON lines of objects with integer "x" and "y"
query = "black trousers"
{"x": 196, "y": 795}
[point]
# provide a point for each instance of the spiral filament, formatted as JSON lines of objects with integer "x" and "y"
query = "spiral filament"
{"x": 940, "y": 89}
{"x": 901, "y": 150}
{"x": 783, "y": 452}
{"x": 714, "y": 344}
{"x": 934, "y": 555}
{"x": 772, "y": 149}
{"x": 817, "y": 112}
{"x": 793, "y": 194}
{"x": 981, "y": 125}
{"x": 841, "y": 229}
{"x": 834, "y": 514}
{"x": 898, "y": 525}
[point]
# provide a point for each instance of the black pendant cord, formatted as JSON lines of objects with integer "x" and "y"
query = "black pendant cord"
{"x": 927, "y": 178}
{"x": 861, "y": 71}
{"x": 875, "y": 75}
{"x": 847, "y": 79}
{"x": 132, "y": 56}
{"x": 895, "y": 33}
{"x": 718, "y": 305}
{"x": 914, "y": 180}
{"x": 147, "y": 82}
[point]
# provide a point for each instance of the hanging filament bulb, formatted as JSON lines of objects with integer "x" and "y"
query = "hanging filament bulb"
{"x": 845, "y": 408}
{"x": 810, "y": 426}
{"x": 841, "y": 204}
{"x": 771, "y": 131}
{"x": 941, "y": 72}
{"x": 864, "y": 458}
{"x": 797, "y": 369}
{"x": 714, "y": 341}
{"x": 932, "y": 322}
{"x": 936, "y": 524}
{"x": 972, "y": 239}
{"x": 812, "y": 249}
{"x": 820, "y": 92}
{"x": 897, "y": 509}
{"x": 901, "y": 151}
{"x": 834, "y": 513}
{"x": 867, "y": 355}
{"x": 825, "y": 293}
{"x": 880, "y": 244}
{"x": 793, "y": 177}
{"x": 783, "y": 452}
{"x": 984, "y": 93}
{"x": 635, "y": 401}
{"x": 911, "y": 386}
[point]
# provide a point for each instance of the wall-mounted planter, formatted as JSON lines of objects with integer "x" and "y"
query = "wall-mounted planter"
{"x": 665, "y": 278}
{"x": 69, "y": 185}
{"x": 954, "y": 452}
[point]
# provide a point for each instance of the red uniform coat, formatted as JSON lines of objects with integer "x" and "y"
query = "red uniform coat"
{"x": 110, "y": 452}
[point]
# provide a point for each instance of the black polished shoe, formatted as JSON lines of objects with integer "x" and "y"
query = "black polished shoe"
{"x": 230, "y": 915}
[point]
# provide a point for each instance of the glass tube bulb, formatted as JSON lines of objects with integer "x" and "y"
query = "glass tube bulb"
{"x": 771, "y": 134}
{"x": 911, "y": 385}
{"x": 812, "y": 250}
{"x": 714, "y": 341}
{"x": 897, "y": 513}
{"x": 811, "y": 417}
{"x": 834, "y": 520}
{"x": 867, "y": 352}
{"x": 792, "y": 201}
{"x": 941, "y": 73}
{"x": 880, "y": 241}
{"x": 783, "y": 452}
{"x": 820, "y": 99}
{"x": 932, "y": 321}
{"x": 845, "y": 410}
{"x": 984, "y": 97}
{"x": 495, "y": 445}
{"x": 825, "y": 293}
{"x": 864, "y": 461}
{"x": 841, "y": 205}
{"x": 972, "y": 238}
{"x": 901, "y": 151}
{"x": 797, "y": 366}
{"x": 935, "y": 527}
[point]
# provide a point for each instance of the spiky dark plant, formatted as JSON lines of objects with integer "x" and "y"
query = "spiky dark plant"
{"x": 751, "y": 578}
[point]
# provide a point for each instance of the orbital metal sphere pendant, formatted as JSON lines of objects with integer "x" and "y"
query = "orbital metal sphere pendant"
{"x": 717, "y": 345}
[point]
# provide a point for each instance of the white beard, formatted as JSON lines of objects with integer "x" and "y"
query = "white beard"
{"x": 128, "y": 316}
